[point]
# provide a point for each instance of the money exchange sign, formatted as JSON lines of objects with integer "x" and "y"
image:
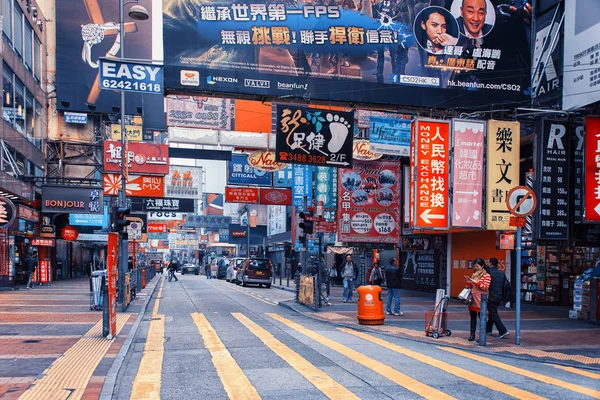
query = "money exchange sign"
{"x": 503, "y": 149}
{"x": 431, "y": 182}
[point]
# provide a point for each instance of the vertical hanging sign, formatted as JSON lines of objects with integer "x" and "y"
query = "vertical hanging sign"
{"x": 552, "y": 217}
{"x": 578, "y": 168}
{"x": 503, "y": 149}
{"x": 431, "y": 182}
{"x": 467, "y": 173}
{"x": 592, "y": 169}
{"x": 111, "y": 266}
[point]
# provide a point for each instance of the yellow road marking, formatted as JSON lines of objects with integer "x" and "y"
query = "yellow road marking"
{"x": 69, "y": 375}
{"x": 318, "y": 378}
{"x": 393, "y": 375}
{"x": 451, "y": 369}
{"x": 587, "y": 374}
{"x": 523, "y": 372}
{"x": 253, "y": 296}
{"x": 147, "y": 382}
{"x": 234, "y": 381}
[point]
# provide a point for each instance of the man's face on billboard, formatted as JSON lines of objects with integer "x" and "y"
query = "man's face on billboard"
{"x": 473, "y": 13}
{"x": 434, "y": 26}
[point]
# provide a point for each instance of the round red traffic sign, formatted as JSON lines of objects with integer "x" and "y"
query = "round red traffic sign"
{"x": 69, "y": 233}
{"x": 521, "y": 201}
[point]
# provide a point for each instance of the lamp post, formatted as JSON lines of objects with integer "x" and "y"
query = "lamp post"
{"x": 139, "y": 13}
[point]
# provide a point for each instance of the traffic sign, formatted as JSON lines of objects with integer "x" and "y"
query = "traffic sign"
{"x": 521, "y": 201}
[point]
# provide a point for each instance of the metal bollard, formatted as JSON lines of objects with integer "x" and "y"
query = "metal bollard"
{"x": 105, "y": 309}
{"x": 483, "y": 320}
{"x": 297, "y": 282}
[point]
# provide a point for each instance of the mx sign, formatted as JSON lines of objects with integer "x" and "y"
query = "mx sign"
{"x": 130, "y": 76}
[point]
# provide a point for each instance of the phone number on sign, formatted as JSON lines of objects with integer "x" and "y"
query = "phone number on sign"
{"x": 138, "y": 86}
{"x": 302, "y": 158}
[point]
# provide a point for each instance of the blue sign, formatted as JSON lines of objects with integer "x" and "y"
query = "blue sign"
{"x": 89, "y": 219}
{"x": 223, "y": 235}
{"x": 242, "y": 173}
{"x": 207, "y": 221}
{"x": 390, "y": 135}
{"x": 130, "y": 76}
{"x": 327, "y": 188}
{"x": 284, "y": 178}
{"x": 76, "y": 118}
{"x": 302, "y": 186}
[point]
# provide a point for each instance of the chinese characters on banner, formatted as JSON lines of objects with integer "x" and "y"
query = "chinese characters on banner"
{"x": 467, "y": 173}
{"x": 137, "y": 186}
{"x": 503, "y": 149}
{"x": 111, "y": 266}
{"x": 326, "y": 188}
{"x": 552, "y": 212}
{"x": 314, "y": 136}
{"x": 592, "y": 169}
{"x": 578, "y": 181}
{"x": 142, "y": 158}
{"x": 45, "y": 271}
{"x": 184, "y": 182}
{"x": 242, "y": 173}
{"x": 200, "y": 112}
{"x": 284, "y": 177}
{"x": 431, "y": 184}
{"x": 302, "y": 186}
{"x": 241, "y": 194}
{"x": 369, "y": 203}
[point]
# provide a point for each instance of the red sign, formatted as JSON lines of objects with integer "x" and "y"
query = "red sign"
{"x": 142, "y": 158}
{"x": 204, "y": 238}
{"x": 157, "y": 228}
{"x": 241, "y": 195}
{"x": 431, "y": 183}
{"x": 467, "y": 173}
{"x": 517, "y": 221}
{"x": 69, "y": 233}
{"x": 275, "y": 197}
{"x": 111, "y": 266}
{"x": 28, "y": 213}
{"x": 238, "y": 234}
{"x": 45, "y": 271}
{"x": 265, "y": 161}
{"x": 369, "y": 203}
{"x": 592, "y": 168}
{"x": 42, "y": 242}
{"x": 325, "y": 227}
{"x": 137, "y": 186}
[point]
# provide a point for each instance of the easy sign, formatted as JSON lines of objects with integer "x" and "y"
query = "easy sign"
{"x": 131, "y": 77}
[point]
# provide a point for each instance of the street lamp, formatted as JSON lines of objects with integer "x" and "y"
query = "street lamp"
{"x": 138, "y": 13}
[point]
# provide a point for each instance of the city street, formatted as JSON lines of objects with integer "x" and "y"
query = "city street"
{"x": 211, "y": 339}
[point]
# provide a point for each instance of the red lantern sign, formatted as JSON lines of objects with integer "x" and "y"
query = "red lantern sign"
{"x": 69, "y": 233}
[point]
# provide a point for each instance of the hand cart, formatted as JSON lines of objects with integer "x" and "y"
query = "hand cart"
{"x": 436, "y": 321}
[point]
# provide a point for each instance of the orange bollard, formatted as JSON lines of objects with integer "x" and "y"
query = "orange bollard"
{"x": 370, "y": 305}
{"x": 143, "y": 278}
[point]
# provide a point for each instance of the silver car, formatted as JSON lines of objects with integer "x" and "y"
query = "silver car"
{"x": 232, "y": 269}
{"x": 190, "y": 269}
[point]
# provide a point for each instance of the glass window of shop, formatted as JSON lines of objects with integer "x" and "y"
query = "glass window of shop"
{"x": 37, "y": 61}
{"x": 18, "y": 30}
{"x": 28, "y": 46}
{"x": 19, "y": 106}
{"x": 8, "y": 96}
{"x": 29, "y": 118}
{"x": 7, "y": 20}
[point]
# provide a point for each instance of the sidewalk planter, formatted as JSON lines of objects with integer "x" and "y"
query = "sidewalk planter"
{"x": 370, "y": 305}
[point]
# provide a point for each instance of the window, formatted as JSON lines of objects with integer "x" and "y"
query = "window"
{"x": 38, "y": 127}
{"x": 7, "y": 19}
{"x": 29, "y": 117}
{"x": 28, "y": 46}
{"x": 37, "y": 61}
{"x": 18, "y": 31}
{"x": 19, "y": 107}
{"x": 8, "y": 95}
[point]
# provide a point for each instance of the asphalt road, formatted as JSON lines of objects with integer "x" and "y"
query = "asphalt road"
{"x": 208, "y": 339}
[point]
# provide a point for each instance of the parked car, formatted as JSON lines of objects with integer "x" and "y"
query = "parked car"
{"x": 255, "y": 271}
{"x": 218, "y": 267}
{"x": 190, "y": 268}
{"x": 232, "y": 269}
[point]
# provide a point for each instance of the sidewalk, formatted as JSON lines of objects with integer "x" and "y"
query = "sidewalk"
{"x": 546, "y": 331}
{"x": 52, "y": 342}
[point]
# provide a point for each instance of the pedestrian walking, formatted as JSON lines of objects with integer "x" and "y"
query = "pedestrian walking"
{"x": 479, "y": 283}
{"x": 394, "y": 281}
{"x": 349, "y": 274}
{"x": 207, "y": 271}
{"x": 31, "y": 264}
{"x": 332, "y": 275}
{"x": 324, "y": 292}
{"x": 172, "y": 269}
{"x": 377, "y": 275}
{"x": 498, "y": 281}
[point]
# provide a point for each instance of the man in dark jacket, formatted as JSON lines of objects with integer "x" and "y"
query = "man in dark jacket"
{"x": 349, "y": 274}
{"x": 394, "y": 281}
{"x": 172, "y": 268}
{"x": 495, "y": 298}
{"x": 31, "y": 264}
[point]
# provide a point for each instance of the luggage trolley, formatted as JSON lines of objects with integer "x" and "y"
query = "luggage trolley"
{"x": 436, "y": 321}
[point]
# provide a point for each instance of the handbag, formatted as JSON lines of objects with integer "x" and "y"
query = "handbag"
{"x": 465, "y": 294}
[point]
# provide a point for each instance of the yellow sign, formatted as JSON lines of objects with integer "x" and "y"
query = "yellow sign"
{"x": 503, "y": 152}
{"x": 134, "y": 132}
{"x": 306, "y": 294}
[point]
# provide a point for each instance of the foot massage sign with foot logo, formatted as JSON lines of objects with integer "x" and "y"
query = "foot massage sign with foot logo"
{"x": 314, "y": 136}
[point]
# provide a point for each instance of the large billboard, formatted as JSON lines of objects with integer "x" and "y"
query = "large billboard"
{"x": 405, "y": 52}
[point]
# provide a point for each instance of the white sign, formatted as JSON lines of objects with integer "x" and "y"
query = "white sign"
{"x": 92, "y": 237}
{"x": 134, "y": 231}
{"x": 164, "y": 216}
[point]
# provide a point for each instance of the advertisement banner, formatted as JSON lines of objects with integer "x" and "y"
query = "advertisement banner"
{"x": 242, "y": 173}
{"x": 184, "y": 182}
{"x": 137, "y": 186}
{"x": 369, "y": 203}
{"x": 241, "y": 194}
{"x": 111, "y": 266}
{"x": 581, "y": 32}
{"x": 592, "y": 169}
{"x": 28, "y": 213}
{"x": 327, "y": 187}
{"x": 302, "y": 190}
{"x": 284, "y": 177}
{"x": 164, "y": 216}
{"x": 48, "y": 231}
{"x": 547, "y": 67}
{"x": 134, "y": 132}
{"x": 503, "y": 150}
{"x": 326, "y": 52}
{"x": 578, "y": 169}
{"x": 390, "y": 134}
{"x": 431, "y": 156}
{"x": 143, "y": 158}
{"x": 157, "y": 228}
{"x": 209, "y": 222}
{"x": 72, "y": 199}
{"x": 313, "y": 136}
{"x": 89, "y": 219}
{"x": 264, "y": 160}
{"x": 276, "y": 223}
{"x": 420, "y": 269}
{"x": 200, "y": 112}
{"x": 467, "y": 173}
{"x": 45, "y": 271}
{"x": 127, "y": 76}
{"x": 275, "y": 197}
{"x": 552, "y": 211}
{"x": 165, "y": 204}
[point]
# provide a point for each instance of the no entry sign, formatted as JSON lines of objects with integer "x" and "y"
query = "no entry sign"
{"x": 521, "y": 201}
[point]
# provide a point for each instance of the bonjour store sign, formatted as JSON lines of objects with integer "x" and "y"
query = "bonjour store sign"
{"x": 76, "y": 199}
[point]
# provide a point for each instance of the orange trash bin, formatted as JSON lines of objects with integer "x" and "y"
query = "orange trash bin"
{"x": 370, "y": 305}
{"x": 143, "y": 278}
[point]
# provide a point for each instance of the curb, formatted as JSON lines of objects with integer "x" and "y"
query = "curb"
{"x": 111, "y": 378}
{"x": 284, "y": 288}
{"x": 479, "y": 350}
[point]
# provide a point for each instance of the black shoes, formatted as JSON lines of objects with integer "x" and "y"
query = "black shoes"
{"x": 472, "y": 337}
